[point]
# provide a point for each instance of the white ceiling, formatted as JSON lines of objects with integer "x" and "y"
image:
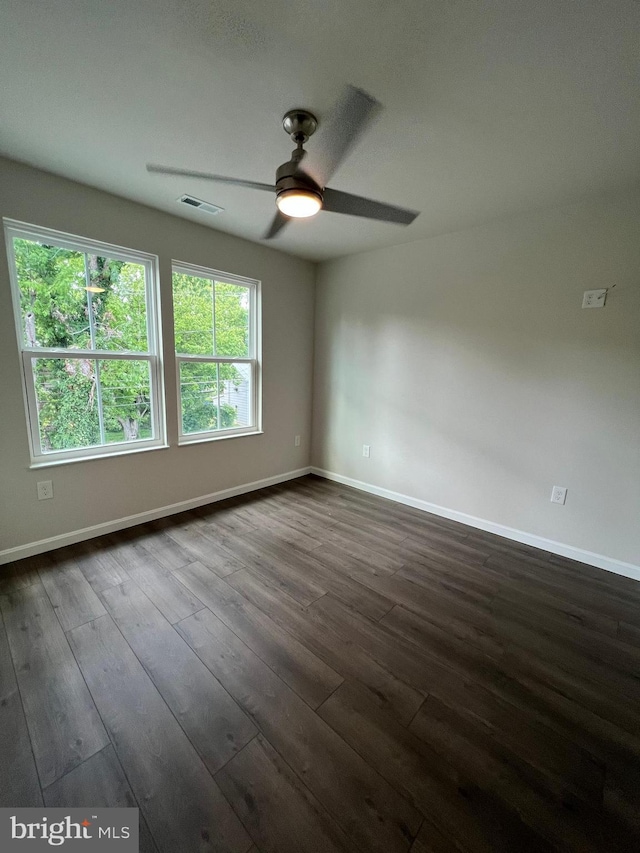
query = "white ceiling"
{"x": 492, "y": 107}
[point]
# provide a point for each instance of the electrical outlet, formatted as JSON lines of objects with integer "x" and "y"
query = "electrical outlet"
{"x": 594, "y": 298}
{"x": 45, "y": 490}
{"x": 366, "y": 450}
{"x": 558, "y": 495}
{"x": 296, "y": 441}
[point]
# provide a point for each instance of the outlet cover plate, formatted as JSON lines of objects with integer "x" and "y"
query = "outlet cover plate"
{"x": 594, "y": 298}
{"x": 558, "y": 495}
{"x": 45, "y": 490}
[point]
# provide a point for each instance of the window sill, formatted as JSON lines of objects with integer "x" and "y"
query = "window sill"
{"x": 51, "y": 463}
{"x": 185, "y": 442}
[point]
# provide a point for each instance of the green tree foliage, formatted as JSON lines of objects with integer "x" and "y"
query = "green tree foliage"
{"x": 210, "y": 319}
{"x": 83, "y": 401}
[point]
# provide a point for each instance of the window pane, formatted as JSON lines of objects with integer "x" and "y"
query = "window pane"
{"x": 53, "y": 299}
{"x": 232, "y": 320}
{"x": 58, "y": 309}
{"x": 198, "y": 391}
{"x": 119, "y": 306}
{"x": 126, "y": 400}
{"x": 67, "y": 403}
{"x": 235, "y": 392}
{"x": 193, "y": 314}
{"x": 215, "y": 396}
{"x": 69, "y": 395}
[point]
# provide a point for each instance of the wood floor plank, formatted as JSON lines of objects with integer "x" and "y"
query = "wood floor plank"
{"x": 361, "y": 548}
{"x": 312, "y": 523}
{"x": 353, "y": 567}
{"x": 99, "y": 782}
{"x": 473, "y": 663}
{"x": 565, "y": 821}
{"x": 171, "y": 598}
{"x": 426, "y": 671}
{"x": 621, "y": 797}
{"x": 431, "y": 840}
{"x": 63, "y": 723}
{"x": 343, "y": 656}
{"x": 287, "y": 533}
{"x": 478, "y": 582}
{"x": 513, "y": 643}
{"x": 326, "y": 515}
{"x": 314, "y": 574}
{"x": 335, "y": 576}
{"x": 414, "y": 666}
{"x": 566, "y": 764}
{"x": 204, "y": 549}
{"x": 72, "y": 597}
{"x": 184, "y": 807}
{"x": 629, "y": 634}
{"x": 279, "y": 812}
{"x": 341, "y": 585}
{"x": 365, "y": 806}
{"x": 595, "y": 592}
{"x": 221, "y": 519}
{"x": 262, "y": 555}
{"x": 430, "y": 546}
{"x": 22, "y": 573}
{"x": 620, "y": 584}
{"x": 214, "y": 723}
{"x": 19, "y": 784}
{"x": 162, "y": 547}
{"x": 539, "y": 599}
{"x": 305, "y": 673}
{"x": 98, "y": 565}
{"x": 471, "y": 814}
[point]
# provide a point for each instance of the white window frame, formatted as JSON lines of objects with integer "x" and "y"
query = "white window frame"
{"x": 39, "y": 458}
{"x": 254, "y": 359}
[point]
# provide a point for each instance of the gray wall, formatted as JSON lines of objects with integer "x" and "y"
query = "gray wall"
{"x": 95, "y": 492}
{"x": 468, "y": 365}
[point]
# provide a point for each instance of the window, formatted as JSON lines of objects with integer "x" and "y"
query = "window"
{"x": 217, "y": 345}
{"x": 88, "y": 331}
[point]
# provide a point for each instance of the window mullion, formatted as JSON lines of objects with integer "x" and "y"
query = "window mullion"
{"x": 92, "y": 335}
{"x": 116, "y": 355}
{"x": 213, "y": 318}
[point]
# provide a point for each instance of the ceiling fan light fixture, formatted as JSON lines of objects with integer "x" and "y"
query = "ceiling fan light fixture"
{"x": 299, "y": 203}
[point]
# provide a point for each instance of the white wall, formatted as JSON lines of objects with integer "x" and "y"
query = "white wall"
{"x": 95, "y": 492}
{"x": 468, "y": 365}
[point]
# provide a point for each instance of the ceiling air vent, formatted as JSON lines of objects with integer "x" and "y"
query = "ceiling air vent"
{"x": 206, "y": 206}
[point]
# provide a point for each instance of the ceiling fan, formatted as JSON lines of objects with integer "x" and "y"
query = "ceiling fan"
{"x": 301, "y": 183}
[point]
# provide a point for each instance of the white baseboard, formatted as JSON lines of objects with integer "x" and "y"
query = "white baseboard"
{"x": 74, "y": 536}
{"x": 582, "y": 556}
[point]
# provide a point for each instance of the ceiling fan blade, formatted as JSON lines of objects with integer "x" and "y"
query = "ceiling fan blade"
{"x": 349, "y": 118}
{"x": 355, "y": 205}
{"x": 277, "y": 224}
{"x": 207, "y": 176}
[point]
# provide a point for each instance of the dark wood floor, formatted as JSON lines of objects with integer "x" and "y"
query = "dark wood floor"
{"x": 310, "y": 668}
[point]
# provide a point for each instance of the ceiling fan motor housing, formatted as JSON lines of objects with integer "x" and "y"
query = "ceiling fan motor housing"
{"x": 289, "y": 177}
